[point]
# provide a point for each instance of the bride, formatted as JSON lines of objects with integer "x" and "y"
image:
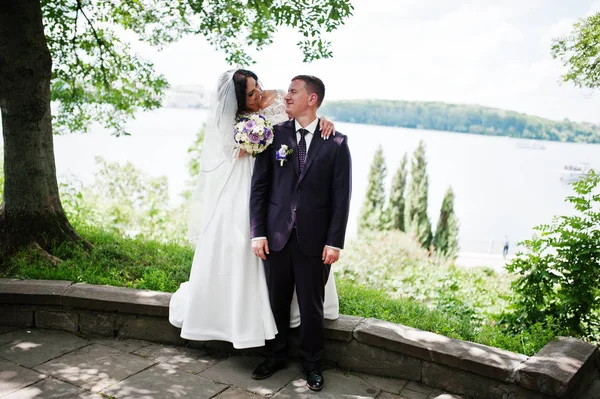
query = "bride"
{"x": 226, "y": 297}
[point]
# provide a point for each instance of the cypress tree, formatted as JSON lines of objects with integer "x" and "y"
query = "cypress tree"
{"x": 397, "y": 200}
{"x": 446, "y": 232}
{"x": 417, "y": 220}
{"x": 372, "y": 214}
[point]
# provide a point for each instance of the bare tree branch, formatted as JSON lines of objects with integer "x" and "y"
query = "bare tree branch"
{"x": 100, "y": 42}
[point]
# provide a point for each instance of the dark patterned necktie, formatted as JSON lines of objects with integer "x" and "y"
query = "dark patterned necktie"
{"x": 302, "y": 148}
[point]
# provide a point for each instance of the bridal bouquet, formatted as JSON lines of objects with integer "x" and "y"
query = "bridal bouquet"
{"x": 254, "y": 133}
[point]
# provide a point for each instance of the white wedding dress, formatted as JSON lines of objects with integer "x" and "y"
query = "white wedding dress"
{"x": 226, "y": 297}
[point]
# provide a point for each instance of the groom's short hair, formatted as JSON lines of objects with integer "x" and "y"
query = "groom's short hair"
{"x": 313, "y": 85}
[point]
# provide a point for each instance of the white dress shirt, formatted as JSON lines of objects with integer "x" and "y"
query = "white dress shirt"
{"x": 308, "y": 136}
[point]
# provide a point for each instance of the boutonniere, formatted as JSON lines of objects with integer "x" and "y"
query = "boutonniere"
{"x": 282, "y": 153}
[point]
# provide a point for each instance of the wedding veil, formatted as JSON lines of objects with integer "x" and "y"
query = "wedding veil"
{"x": 217, "y": 157}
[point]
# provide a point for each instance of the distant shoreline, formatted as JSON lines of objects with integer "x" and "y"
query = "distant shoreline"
{"x": 457, "y": 118}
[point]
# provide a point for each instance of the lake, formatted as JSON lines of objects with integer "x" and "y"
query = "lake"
{"x": 501, "y": 188}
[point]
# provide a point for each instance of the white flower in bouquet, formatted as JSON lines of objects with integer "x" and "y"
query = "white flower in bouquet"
{"x": 253, "y": 133}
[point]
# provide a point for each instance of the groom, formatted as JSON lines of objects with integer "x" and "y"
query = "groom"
{"x": 299, "y": 207}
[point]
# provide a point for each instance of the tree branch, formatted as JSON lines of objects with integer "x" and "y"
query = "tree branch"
{"x": 100, "y": 42}
{"x": 74, "y": 43}
{"x": 75, "y": 29}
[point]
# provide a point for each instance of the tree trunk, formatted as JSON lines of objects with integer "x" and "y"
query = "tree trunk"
{"x": 31, "y": 213}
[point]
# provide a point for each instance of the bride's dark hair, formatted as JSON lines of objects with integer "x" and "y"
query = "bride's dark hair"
{"x": 239, "y": 81}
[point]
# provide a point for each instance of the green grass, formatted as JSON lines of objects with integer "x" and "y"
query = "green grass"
{"x": 356, "y": 300}
{"x": 114, "y": 260}
{"x": 394, "y": 263}
{"x": 412, "y": 288}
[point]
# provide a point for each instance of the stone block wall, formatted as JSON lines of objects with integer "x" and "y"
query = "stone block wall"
{"x": 561, "y": 369}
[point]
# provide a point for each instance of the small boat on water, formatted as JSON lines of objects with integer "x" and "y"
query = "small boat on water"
{"x": 530, "y": 144}
{"x": 571, "y": 173}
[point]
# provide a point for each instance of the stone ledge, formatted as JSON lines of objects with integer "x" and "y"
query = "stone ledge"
{"x": 342, "y": 328}
{"x": 32, "y": 292}
{"x": 559, "y": 370}
{"x": 117, "y": 299}
{"x": 372, "y": 360}
{"x": 559, "y": 367}
{"x": 56, "y": 320}
{"x": 98, "y": 323}
{"x": 16, "y": 315}
{"x": 479, "y": 359}
{"x": 471, "y": 385}
{"x": 147, "y": 328}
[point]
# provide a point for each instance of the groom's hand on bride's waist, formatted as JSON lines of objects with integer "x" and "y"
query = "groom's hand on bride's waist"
{"x": 260, "y": 247}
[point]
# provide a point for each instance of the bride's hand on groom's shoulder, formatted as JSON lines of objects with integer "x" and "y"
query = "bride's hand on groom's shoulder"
{"x": 327, "y": 127}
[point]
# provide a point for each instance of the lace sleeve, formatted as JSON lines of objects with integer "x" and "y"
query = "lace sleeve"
{"x": 276, "y": 111}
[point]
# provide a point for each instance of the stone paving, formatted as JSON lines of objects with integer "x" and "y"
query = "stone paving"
{"x": 47, "y": 364}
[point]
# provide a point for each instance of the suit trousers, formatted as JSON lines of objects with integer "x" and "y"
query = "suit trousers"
{"x": 283, "y": 269}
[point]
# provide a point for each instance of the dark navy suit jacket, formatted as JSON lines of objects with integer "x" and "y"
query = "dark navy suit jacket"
{"x": 317, "y": 201}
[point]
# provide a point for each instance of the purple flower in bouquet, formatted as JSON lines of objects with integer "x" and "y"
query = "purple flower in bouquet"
{"x": 253, "y": 133}
{"x": 268, "y": 134}
{"x": 254, "y": 138}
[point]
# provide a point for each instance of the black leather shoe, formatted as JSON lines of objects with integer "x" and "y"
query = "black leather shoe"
{"x": 266, "y": 369}
{"x": 315, "y": 381}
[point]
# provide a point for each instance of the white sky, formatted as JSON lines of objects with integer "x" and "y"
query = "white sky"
{"x": 489, "y": 52}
